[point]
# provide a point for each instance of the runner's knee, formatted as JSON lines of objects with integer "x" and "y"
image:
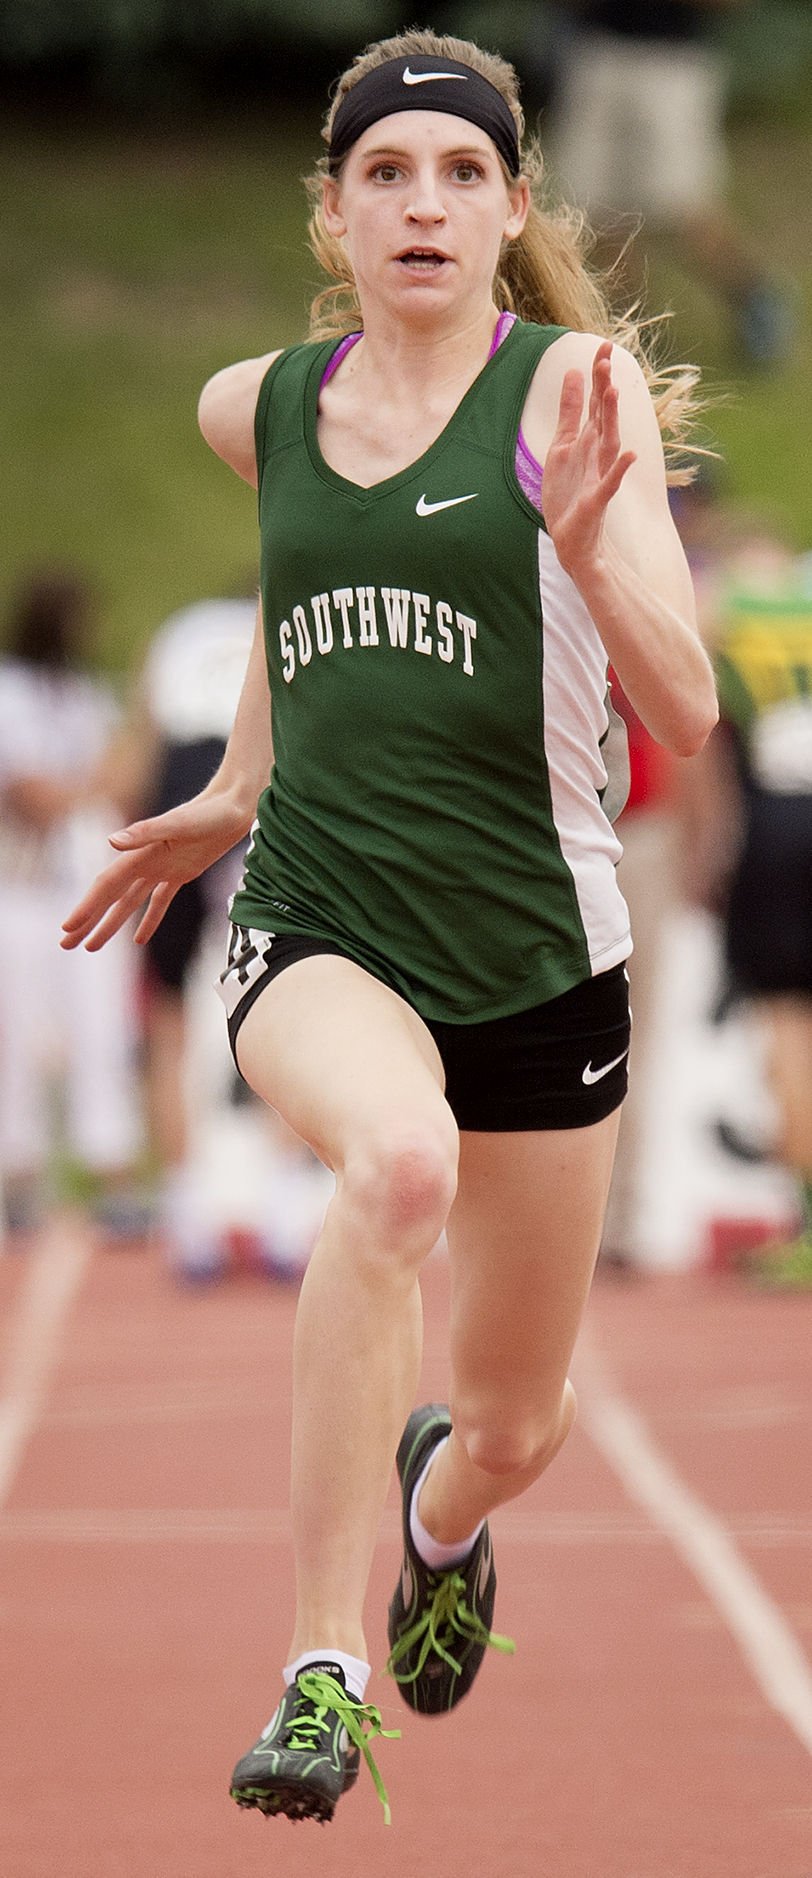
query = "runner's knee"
{"x": 402, "y": 1182}
{"x": 504, "y": 1443}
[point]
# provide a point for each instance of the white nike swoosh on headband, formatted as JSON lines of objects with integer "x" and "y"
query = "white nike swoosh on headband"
{"x": 430, "y": 508}
{"x": 426, "y": 78}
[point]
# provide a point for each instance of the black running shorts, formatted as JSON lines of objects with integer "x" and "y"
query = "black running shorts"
{"x": 561, "y": 1064}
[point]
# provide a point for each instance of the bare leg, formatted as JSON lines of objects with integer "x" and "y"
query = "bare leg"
{"x": 353, "y": 1071}
{"x": 523, "y": 1235}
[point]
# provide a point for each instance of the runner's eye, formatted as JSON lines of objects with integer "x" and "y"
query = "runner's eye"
{"x": 385, "y": 172}
{"x": 467, "y": 172}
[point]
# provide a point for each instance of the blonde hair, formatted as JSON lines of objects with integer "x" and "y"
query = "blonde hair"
{"x": 543, "y": 275}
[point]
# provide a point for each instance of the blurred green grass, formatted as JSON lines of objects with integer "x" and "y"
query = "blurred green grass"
{"x": 133, "y": 266}
{"x": 131, "y": 270}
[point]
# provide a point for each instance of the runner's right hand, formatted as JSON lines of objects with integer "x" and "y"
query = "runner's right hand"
{"x": 153, "y": 859}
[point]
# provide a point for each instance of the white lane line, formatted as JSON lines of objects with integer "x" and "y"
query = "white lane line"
{"x": 766, "y": 1641}
{"x": 241, "y": 1525}
{"x": 246, "y": 1524}
{"x": 54, "y": 1272}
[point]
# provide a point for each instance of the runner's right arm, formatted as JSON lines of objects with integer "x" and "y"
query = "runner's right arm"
{"x": 154, "y": 857}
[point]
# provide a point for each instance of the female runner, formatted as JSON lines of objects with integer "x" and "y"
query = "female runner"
{"x": 463, "y": 516}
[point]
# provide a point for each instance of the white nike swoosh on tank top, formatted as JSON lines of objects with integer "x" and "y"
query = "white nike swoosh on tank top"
{"x": 431, "y": 508}
{"x": 425, "y": 78}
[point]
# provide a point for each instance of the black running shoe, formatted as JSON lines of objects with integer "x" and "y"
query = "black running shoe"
{"x": 310, "y": 1752}
{"x": 439, "y": 1621}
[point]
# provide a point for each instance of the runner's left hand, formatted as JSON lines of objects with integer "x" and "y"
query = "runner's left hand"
{"x": 585, "y": 465}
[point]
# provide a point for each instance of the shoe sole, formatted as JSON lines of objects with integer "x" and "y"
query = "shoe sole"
{"x": 287, "y": 1801}
{"x": 292, "y": 1799}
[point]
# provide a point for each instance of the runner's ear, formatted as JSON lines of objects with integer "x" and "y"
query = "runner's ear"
{"x": 519, "y": 194}
{"x": 334, "y": 220}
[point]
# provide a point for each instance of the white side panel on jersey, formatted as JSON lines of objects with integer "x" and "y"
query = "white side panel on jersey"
{"x": 575, "y": 719}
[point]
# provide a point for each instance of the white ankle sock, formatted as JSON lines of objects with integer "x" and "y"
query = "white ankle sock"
{"x": 437, "y": 1556}
{"x": 356, "y": 1673}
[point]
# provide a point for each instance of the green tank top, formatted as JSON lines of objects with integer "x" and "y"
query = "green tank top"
{"x": 436, "y": 807}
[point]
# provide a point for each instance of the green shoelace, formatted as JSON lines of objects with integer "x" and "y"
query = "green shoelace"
{"x": 328, "y": 1697}
{"x": 445, "y": 1615}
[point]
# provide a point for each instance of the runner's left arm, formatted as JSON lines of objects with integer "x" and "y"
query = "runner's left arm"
{"x": 605, "y": 505}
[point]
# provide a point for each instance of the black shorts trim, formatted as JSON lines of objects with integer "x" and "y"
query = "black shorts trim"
{"x": 560, "y": 1064}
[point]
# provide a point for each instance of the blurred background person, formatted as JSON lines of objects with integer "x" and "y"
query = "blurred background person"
{"x": 718, "y": 1161}
{"x": 751, "y": 838}
{"x": 638, "y": 137}
{"x": 68, "y": 1074}
{"x": 235, "y": 1187}
{"x": 651, "y": 874}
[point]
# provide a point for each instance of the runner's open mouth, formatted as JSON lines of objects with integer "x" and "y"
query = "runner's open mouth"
{"x": 427, "y": 259}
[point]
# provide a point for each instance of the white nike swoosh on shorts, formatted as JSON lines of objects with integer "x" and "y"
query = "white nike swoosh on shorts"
{"x": 427, "y": 78}
{"x": 590, "y": 1075}
{"x": 430, "y": 508}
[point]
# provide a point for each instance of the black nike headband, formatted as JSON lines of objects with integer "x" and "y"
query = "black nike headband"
{"x": 424, "y": 84}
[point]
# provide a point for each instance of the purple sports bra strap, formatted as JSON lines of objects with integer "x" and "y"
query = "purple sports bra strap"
{"x": 501, "y": 330}
{"x": 345, "y": 346}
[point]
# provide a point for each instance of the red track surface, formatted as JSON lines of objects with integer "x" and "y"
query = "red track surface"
{"x": 145, "y": 1587}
